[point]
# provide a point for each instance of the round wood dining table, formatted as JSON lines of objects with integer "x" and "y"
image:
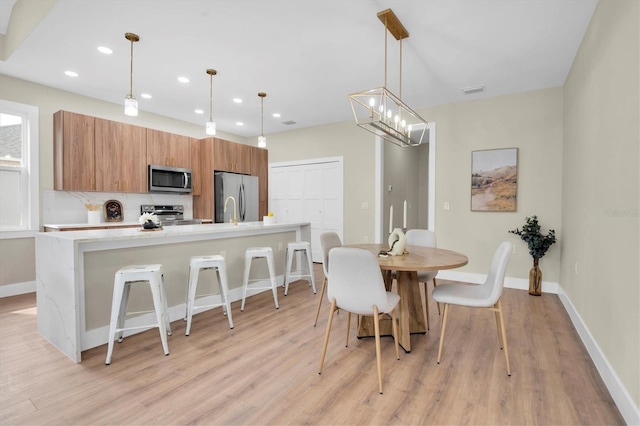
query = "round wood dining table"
{"x": 407, "y": 266}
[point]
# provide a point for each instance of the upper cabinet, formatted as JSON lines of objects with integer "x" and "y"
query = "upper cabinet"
{"x": 121, "y": 150}
{"x": 168, "y": 149}
{"x": 231, "y": 157}
{"x": 74, "y": 153}
{"x": 260, "y": 168}
{"x": 203, "y": 203}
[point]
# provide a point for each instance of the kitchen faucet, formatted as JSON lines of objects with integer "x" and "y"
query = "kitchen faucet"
{"x": 234, "y": 219}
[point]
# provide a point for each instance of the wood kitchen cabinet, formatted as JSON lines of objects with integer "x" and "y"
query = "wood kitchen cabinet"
{"x": 196, "y": 166}
{"x": 121, "y": 157}
{"x": 168, "y": 149}
{"x": 73, "y": 152}
{"x": 260, "y": 168}
{"x": 232, "y": 157}
{"x": 203, "y": 202}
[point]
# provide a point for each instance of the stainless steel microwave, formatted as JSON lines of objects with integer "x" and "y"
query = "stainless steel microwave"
{"x": 169, "y": 179}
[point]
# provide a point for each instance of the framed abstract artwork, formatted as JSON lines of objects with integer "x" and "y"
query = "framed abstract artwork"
{"x": 494, "y": 180}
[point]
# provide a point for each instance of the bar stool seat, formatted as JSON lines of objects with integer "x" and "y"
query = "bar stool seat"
{"x": 258, "y": 253}
{"x": 201, "y": 263}
{"x": 293, "y": 248}
{"x": 124, "y": 278}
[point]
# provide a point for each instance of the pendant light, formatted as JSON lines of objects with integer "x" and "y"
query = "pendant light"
{"x": 380, "y": 111}
{"x": 210, "y": 128}
{"x": 130, "y": 102}
{"x": 262, "y": 141}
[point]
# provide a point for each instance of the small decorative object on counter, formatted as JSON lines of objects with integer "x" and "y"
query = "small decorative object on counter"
{"x": 149, "y": 221}
{"x": 269, "y": 219}
{"x": 113, "y": 211}
{"x": 538, "y": 246}
{"x": 93, "y": 213}
{"x": 397, "y": 242}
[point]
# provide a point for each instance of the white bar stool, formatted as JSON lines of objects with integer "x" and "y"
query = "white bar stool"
{"x": 258, "y": 253}
{"x": 214, "y": 262}
{"x": 151, "y": 274}
{"x": 294, "y": 248}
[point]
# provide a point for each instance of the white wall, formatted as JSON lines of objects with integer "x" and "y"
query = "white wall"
{"x": 601, "y": 186}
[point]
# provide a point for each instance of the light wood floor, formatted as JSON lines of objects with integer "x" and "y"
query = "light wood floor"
{"x": 264, "y": 371}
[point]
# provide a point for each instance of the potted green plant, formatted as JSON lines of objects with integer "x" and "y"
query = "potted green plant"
{"x": 538, "y": 246}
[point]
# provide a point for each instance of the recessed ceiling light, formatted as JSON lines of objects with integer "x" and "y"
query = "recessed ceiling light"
{"x": 276, "y": 115}
{"x": 239, "y": 123}
{"x": 71, "y": 73}
{"x": 146, "y": 95}
{"x": 183, "y": 79}
{"x": 105, "y": 50}
{"x": 237, "y": 100}
{"x": 198, "y": 111}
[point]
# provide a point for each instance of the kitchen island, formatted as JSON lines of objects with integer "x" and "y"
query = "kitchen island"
{"x": 75, "y": 272}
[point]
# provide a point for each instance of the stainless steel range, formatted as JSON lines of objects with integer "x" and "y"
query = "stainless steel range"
{"x": 169, "y": 215}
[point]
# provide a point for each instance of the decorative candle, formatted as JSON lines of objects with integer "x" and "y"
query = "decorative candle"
{"x": 391, "y": 219}
{"x": 404, "y": 218}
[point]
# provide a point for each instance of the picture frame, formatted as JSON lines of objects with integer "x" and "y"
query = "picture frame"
{"x": 494, "y": 180}
{"x": 113, "y": 211}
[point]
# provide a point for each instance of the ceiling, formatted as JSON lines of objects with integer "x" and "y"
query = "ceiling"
{"x": 307, "y": 55}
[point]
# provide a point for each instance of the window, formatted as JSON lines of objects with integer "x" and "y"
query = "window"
{"x": 18, "y": 167}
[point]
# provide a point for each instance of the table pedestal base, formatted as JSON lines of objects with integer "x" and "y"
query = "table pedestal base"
{"x": 410, "y": 303}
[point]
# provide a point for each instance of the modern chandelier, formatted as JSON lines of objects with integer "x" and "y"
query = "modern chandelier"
{"x": 210, "y": 128}
{"x": 262, "y": 141}
{"x": 381, "y": 112}
{"x": 130, "y": 102}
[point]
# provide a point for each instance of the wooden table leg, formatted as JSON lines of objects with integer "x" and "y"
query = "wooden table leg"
{"x": 410, "y": 316}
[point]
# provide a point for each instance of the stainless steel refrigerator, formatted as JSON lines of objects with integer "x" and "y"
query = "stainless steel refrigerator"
{"x": 243, "y": 188}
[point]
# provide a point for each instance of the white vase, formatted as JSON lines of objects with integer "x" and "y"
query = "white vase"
{"x": 93, "y": 217}
{"x": 397, "y": 242}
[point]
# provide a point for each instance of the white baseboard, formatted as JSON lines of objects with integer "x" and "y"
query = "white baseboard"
{"x": 629, "y": 410}
{"x": 621, "y": 397}
{"x": 17, "y": 288}
{"x": 98, "y": 336}
{"x": 509, "y": 282}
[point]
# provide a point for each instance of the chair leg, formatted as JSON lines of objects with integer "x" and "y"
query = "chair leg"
{"x": 434, "y": 286}
{"x": 346, "y": 343}
{"x": 426, "y": 305}
{"x": 287, "y": 269}
{"x": 504, "y": 337}
{"x": 394, "y": 327}
{"x": 326, "y": 335}
{"x": 376, "y": 324}
{"x": 324, "y": 285}
{"x": 497, "y": 315}
{"x": 444, "y": 325}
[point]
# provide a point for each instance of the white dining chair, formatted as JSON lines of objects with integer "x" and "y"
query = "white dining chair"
{"x": 328, "y": 240}
{"x": 356, "y": 286}
{"x": 486, "y": 295}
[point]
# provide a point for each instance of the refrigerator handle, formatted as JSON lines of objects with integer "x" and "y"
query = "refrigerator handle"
{"x": 241, "y": 202}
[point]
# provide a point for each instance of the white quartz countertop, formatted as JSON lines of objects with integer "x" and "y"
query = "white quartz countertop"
{"x": 100, "y": 225}
{"x": 221, "y": 230}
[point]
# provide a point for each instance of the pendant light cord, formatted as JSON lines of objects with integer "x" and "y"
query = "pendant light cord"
{"x": 211, "y": 97}
{"x": 131, "y": 72}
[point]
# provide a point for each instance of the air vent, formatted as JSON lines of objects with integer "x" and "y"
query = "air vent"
{"x": 289, "y": 122}
{"x": 472, "y": 89}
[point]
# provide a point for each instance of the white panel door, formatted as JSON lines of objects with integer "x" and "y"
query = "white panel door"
{"x": 309, "y": 191}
